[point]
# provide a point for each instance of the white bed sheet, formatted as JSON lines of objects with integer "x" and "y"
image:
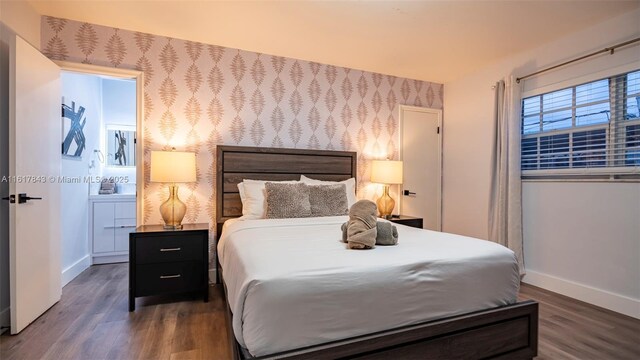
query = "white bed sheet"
{"x": 292, "y": 283}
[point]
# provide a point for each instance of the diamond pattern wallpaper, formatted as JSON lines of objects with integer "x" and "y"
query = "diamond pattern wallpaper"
{"x": 197, "y": 96}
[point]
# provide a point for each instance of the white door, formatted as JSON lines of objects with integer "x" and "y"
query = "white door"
{"x": 421, "y": 153}
{"x": 34, "y": 164}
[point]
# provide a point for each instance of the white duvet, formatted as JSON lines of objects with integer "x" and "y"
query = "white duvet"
{"x": 291, "y": 282}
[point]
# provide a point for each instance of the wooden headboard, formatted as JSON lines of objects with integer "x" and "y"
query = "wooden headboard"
{"x": 235, "y": 163}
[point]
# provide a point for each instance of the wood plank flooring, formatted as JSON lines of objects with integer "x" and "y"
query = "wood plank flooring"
{"x": 92, "y": 322}
{"x": 572, "y": 329}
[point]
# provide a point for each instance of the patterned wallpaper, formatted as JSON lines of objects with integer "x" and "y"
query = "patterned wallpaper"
{"x": 197, "y": 96}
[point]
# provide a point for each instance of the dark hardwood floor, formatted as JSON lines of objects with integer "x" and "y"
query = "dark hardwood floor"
{"x": 572, "y": 329}
{"x": 92, "y": 322}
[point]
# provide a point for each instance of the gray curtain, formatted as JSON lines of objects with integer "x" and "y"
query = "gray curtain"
{"x": 505, "y": 204}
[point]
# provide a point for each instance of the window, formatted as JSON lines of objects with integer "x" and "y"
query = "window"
{"x": 590, "y": 129}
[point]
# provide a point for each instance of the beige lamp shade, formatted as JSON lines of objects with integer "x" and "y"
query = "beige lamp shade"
{"x": 386, "y": 172}
{"x": 173, "y": 166}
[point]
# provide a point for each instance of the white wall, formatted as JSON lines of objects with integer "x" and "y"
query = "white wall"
{"x": 85, "y": 91}
{"x": 584, "y": 235}
{"x": 118, "y": 108}
{"x": 22, "y": 18}
{"x": 4, "y": 170}
{"x": 574, "y": 258}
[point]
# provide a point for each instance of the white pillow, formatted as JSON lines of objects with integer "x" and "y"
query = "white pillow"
{"x": 241, "y": 192}
{"x": 253, "y": 197}
{"x": 350, "y": 185}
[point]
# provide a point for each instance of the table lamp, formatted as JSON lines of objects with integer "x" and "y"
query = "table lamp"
{"x": 386, "y": 172}
{"x": 173, "y": 167}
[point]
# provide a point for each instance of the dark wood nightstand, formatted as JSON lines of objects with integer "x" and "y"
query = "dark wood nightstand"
{"x": 407, "y": 220}
{"x": 168, "y": 261}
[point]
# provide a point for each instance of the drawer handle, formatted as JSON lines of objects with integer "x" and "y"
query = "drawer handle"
{"x": 169, "y": 249}
{"x": 170, "y": 276}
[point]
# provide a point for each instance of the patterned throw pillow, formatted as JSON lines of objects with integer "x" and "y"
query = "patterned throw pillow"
{"x": 252, "y": 195}
{"x": 287, "y": 200}
{"x": 328, "y": 200}
{"x": 349, "y": 183}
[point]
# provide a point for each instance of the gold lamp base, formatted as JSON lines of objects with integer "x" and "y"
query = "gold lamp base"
{"x": 386, "y": 204}
{"x": 173, "y": 210}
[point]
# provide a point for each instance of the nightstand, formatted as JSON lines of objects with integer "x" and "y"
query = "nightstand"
{"x": 407, "y": 220}
{"x": 168, "y": 261}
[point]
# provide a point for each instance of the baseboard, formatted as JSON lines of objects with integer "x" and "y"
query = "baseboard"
{"x": 5, "y": 319}
{"x": 75, "y": 269}
{"x": 110, "y": 259}
{"x": 608, "y": 300}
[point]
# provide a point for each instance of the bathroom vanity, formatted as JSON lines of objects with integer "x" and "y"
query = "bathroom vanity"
{"x": 111, "y": 219}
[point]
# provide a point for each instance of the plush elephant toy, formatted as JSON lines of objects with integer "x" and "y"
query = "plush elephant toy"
{"x": 361, "y": 228}
{"x": 359, "y": 233}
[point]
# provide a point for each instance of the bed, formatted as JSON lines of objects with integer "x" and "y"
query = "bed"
{"x": 422, "y": 299}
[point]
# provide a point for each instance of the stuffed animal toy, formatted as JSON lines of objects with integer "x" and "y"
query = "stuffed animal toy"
{"x": 387, "y": 233}
{"x": 361, "y": 228}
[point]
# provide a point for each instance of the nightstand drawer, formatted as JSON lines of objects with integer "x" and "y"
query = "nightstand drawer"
{"x": 168, "y": 248}
{"x": 153, "y": 279}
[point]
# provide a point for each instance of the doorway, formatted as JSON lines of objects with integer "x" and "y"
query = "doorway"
{"x": 421, "y": 153}
{"x": 138, "y": 78}
{"x": 98, "y": 170}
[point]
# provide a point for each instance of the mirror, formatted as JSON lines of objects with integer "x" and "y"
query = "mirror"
{"x": 121, "y": 146}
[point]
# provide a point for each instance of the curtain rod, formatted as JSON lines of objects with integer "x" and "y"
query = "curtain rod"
{"x": 605, "y": 50}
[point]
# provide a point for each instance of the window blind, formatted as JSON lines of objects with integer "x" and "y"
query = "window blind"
{"x": 588, "y": 128}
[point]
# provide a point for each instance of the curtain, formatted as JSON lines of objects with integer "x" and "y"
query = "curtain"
{"x": 505, "y": 204}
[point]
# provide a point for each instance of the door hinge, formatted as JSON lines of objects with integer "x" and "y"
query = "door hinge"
{"x": 438, "y": 130}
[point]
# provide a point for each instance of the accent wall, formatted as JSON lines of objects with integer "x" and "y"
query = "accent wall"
{"x": 198, "y": 96}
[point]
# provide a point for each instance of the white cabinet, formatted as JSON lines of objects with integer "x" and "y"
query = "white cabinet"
{"x": 125, "y": 222}
{"x": 112, "y": 219}
{"x": 103, "y": 227}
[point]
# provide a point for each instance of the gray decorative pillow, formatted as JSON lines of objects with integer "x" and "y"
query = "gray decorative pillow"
{"x": 328, "y": 200}
{"x": 287, "y": 200}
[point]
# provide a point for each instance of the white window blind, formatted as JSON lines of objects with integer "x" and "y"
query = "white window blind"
{"x": 587, "y": 129}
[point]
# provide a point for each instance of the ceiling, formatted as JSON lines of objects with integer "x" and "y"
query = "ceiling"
{"x": 428, "y": 40}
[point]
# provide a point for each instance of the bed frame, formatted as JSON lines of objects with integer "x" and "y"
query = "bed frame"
{"x": 506, "y": 332}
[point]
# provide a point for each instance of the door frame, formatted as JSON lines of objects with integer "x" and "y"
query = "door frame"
{"x": 438, "y": 112}
{"x": 90, "y": 69}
